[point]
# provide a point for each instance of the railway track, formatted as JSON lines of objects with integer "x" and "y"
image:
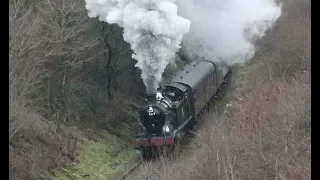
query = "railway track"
{"x": 124, "y": 177}
{"x": 136, "y": 165}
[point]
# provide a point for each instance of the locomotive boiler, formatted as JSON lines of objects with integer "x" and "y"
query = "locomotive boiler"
{"x": 170, "y": 113}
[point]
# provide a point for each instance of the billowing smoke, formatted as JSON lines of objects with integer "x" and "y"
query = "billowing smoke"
{"x": 221, "y": 30}
{"x": 225, "y": 30}
{"x": 153, "y": 29}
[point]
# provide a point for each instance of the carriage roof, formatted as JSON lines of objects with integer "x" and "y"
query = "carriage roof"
{"x": 192, "y": 73}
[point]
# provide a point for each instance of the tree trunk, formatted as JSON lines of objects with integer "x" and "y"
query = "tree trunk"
{"x": 49, "y": 91}
{"x": 63, "y": 94}
{"x": 108, "y": 65}
{"x": 109, "y": 91}
{"x": 133, "y": 68}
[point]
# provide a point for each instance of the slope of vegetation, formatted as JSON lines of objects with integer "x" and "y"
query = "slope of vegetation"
{"x": 68, "y": 78}
{"x": 262, "y": 127}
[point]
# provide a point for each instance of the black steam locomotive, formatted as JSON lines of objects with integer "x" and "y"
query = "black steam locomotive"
{"x": 170, "y": 113}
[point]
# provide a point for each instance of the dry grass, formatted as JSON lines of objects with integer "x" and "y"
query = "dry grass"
{"x": 36, "y": 145}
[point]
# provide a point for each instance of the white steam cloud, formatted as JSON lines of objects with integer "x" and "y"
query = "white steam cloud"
{"x": 152, "y": 27}
{"x": 224, "y": 30}
{"x": 221, "y": 30}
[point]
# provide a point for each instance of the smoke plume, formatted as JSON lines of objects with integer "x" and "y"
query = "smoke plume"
{"x": 152, "y": 27}
{"x": 225, "y": 30}
{"x": 221, "y": 30}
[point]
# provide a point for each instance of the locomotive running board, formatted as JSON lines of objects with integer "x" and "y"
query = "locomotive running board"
{"x": 182, "y": 126}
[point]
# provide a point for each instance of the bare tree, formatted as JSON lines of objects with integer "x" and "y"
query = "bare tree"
{"x": 65, "y": 28}
{"x": 25, "y": 61}
{"x": 58, "y": 70}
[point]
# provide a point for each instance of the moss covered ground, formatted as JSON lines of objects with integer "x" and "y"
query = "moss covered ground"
{"x": 107, "y": 157}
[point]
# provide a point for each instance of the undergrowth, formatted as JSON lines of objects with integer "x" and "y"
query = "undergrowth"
{"x": 104, "y": 158}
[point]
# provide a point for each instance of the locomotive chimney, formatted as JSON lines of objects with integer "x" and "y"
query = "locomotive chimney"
{"x": 151, "y": 97}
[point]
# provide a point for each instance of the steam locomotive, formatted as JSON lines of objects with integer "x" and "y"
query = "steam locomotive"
{"x": 173, "y": 110}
